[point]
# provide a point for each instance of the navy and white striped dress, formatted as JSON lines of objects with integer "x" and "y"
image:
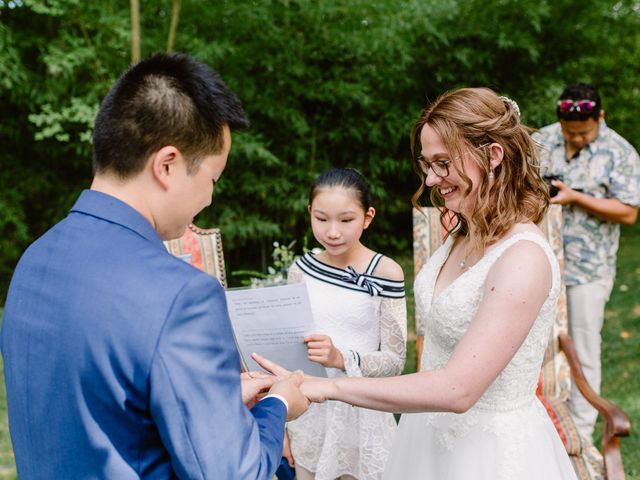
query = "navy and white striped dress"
{"x": 365, "y": 316}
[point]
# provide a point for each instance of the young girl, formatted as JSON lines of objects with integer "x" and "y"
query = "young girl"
{"x": 357, "y": 298}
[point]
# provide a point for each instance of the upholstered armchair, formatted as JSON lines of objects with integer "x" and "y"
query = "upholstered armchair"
{"x": 202, "y": 248}
{"x": 560, "y": 367}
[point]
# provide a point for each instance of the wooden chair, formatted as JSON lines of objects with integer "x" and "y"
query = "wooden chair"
{"x": 202, "y": 248}
{"x": 560, "y": 367}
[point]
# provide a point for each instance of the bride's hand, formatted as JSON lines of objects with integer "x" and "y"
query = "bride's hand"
{"x": 316, "y": 389}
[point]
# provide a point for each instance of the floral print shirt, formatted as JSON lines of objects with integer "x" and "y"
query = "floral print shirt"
{"x": 609, "y": 167}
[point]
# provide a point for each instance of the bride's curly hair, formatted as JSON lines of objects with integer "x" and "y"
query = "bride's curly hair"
{"x": 466, "y": 120}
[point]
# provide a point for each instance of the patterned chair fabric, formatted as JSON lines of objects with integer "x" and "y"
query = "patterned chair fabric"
{"x": 555, "y": 376}
{"x": 202, "y": 248}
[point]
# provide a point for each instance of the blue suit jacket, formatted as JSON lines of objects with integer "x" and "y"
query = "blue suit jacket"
{"x": 120, "y": 361}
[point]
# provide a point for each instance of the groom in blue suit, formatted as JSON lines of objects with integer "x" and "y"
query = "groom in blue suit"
{"x": 119, "y": 358}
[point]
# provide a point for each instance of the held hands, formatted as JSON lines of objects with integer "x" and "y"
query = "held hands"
{"x": 288, "y": 386}
{"x": 254, "y": 386}
{"x": 316, "y": 389}
{"x": 320, "y": 349}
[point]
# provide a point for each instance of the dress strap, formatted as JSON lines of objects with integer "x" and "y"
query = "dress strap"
{"x": 349, "y": 278}
{"x": 541, "y": 242}
{"x": 531, "y": 236}
{"x": 373, "y": 264}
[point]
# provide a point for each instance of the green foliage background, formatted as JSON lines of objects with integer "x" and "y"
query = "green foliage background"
{"x": 325, "y": 84}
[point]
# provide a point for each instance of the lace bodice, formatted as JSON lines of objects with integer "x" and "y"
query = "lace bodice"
{"x": 448, "y": 316}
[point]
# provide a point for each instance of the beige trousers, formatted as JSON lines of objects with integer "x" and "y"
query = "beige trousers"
{"x": 585, "y": 305}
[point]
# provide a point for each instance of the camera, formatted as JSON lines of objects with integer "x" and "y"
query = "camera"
{"x": 553, "y": 191}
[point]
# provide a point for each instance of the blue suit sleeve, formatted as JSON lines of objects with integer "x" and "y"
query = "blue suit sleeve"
{"x": 196, "y": 399}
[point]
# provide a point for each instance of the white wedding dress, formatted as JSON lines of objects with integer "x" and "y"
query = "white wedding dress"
{"x": 507, "y": 434}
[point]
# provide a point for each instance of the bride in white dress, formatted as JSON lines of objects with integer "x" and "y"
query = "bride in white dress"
{"x": 488, "y": 296}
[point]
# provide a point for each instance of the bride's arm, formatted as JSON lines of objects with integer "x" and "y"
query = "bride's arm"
{"x": 515, "y": 290}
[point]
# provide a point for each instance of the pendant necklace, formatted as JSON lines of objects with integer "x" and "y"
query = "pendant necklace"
{"x": 463, "y": 263}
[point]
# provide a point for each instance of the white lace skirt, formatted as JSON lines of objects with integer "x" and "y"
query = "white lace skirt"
{"x": 518, "y": 444}
{"x": 334, "y": 439}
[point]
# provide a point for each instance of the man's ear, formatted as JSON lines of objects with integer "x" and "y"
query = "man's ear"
{"x": 163, "y": 164}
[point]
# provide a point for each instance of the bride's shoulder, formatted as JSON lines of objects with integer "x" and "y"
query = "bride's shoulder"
{"x": 524, "y": 257}
{"x": 524, "y": 242}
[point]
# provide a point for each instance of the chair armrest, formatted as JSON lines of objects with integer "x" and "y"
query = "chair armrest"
{"x": 616, "y": 423}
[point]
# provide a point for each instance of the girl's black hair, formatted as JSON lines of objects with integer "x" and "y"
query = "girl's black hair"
{"x": 347, "y": 178}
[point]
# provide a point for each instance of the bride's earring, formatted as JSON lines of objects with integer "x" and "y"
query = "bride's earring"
{"x": 492, "y": 177}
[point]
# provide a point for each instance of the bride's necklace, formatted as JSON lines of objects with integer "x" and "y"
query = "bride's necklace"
{"x": 465, "y": 261}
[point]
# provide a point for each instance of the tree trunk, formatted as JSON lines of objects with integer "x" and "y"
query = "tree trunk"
{"x": 135, "y": 31}
{"x": 175, "y": 14}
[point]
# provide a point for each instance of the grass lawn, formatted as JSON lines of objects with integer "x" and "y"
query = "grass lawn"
{"x": 621, "y": 346}
{"x": 621, "y": 354}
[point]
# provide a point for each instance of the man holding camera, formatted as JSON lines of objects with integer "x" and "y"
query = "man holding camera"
{"x": 594, "y": 174}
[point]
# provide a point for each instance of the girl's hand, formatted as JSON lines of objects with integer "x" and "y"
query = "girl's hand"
{"x": 320, "y": 349}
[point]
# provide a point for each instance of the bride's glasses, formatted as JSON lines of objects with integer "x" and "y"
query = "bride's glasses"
{"x": 439, "y": 167}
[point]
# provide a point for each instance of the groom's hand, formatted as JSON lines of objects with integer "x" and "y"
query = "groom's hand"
{"x": 269, "y": 366}
{"x": 255, "y": 385}
{"x": 289, "y": 388}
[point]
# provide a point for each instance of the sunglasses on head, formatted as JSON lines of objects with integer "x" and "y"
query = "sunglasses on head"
{"x": 581, "y": 106}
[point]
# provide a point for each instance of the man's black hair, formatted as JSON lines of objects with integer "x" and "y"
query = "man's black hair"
{"x": 166, "y": 99}
{"x": 580, "y": 91}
